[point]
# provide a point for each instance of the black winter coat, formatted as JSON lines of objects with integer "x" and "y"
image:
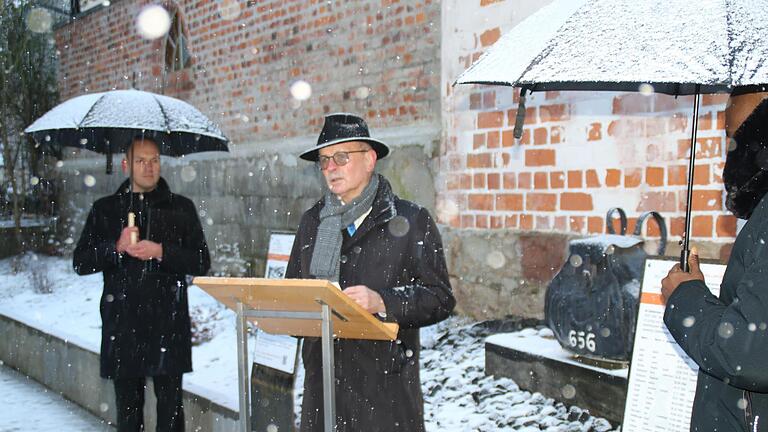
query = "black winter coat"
{"x": 729, "y": 338}
{"x": 397, "y": 252}
{"x": 144, "y": 311}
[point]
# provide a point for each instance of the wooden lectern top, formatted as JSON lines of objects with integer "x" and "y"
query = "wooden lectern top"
{"x": 350, "y": 320}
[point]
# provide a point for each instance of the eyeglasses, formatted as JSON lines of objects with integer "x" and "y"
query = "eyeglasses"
{"x": 339, "y": 158}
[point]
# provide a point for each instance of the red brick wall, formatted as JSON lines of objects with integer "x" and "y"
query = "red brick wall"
{"x": 581, "y": 152}
{"x": 242, "y": 68}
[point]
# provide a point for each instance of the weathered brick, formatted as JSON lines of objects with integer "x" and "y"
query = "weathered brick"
{"x": 577, "y": 223}
{"x": 481, "y": 221}
{"x": 677, "y": 175}
{"x": 632, "y": 177}
{"x": 490, "y": 120}
{"x": 701, "y": 226}
{"x": 480, "y": 201}
{"x": 489, "y": 37}
{"x": 557, "y": 180}
{"x": 654, "y": 176}
{"x": 537, "y": 157}
{"x": 705, "y": 148}
{"x": 540, "y": 202}
{"x": 726, "y": 226}
{"x": 481, "y": 160}
{"x": 576, "y": 201}
{"x": 494, "y": 181}
{"x": 509, "y": 202}
{"x": 550, "y": 113}
{"x": 595, "y": 225}
{"x": 524, "y": 181}
{"x": 478, "y": 181}
{"x": 657, "y": 201}
{"x": 510, "y": 221}
{"x": 510, "y": 180}
{"x": 526, "y": 221}
{"x": 478, "y": 141}
{"x": 593, "y": 181}
{"x": 595, "y": 133}
{"x": 543, "y": 223}
{"x": 707, "y": 200}
{"x": 575, "y": 179}
{"x": 612, "y": 177}
{"x": 540, "y": 180}
{"x": 493, "y": 139}
{"x": 497, "y": 222}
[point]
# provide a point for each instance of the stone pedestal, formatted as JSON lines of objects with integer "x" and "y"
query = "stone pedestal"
{"x": 538, "y": 364}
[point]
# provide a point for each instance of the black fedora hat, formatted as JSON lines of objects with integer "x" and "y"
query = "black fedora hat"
{"x": 343, "y": 127}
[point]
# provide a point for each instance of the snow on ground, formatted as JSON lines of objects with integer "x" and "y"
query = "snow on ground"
{"x": 458, "y": 395}
{"x": 28, "y": 406}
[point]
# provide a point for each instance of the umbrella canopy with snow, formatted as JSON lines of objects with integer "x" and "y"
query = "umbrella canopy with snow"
{"x": 677, "y": 47}
{"x": 106, "y": 123}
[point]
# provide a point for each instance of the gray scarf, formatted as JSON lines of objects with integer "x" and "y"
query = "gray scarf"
{"x": 334, "y": 217}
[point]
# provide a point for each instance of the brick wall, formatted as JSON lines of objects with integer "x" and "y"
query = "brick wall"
{"x": 374, "y": 57}
{"x": 510, "y": 208}
{"x": 379, "y": 58}
{"x": 580, "y": 154}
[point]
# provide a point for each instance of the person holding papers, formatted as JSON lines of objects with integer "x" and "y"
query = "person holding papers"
{"x": 386, "y": 254}
{"x": 728, "y": 336}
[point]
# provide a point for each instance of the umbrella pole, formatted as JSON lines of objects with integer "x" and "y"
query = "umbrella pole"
{"x": 689, "y": 199}
{"x": 131, "y": 214}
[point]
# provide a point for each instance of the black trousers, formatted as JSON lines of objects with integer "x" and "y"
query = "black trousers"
{"x": 129, "y": 401}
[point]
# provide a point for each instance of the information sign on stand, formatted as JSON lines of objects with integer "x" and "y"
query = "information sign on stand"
{"x": 662, "y": 378}
{"x": 274, "y": 357}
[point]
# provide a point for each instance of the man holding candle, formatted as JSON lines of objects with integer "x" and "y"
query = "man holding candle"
{"x": 145, "y": 240}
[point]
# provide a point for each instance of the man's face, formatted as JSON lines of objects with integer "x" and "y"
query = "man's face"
{"x": 145, "y": 162}
{"x": 348, "y": 181}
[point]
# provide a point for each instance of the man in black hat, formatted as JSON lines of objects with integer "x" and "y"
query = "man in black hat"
{"x": 387, "y": 255}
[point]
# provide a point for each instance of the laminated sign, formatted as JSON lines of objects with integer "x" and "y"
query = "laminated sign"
{"x": 662, "y": 378}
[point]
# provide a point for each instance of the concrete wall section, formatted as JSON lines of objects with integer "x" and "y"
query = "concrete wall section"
{"x": 73, "y": 371}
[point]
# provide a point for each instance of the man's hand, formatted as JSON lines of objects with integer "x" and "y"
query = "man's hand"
{"x": 145, "y": 250}
{"x": 369, "y": 299}
{"x": 676, "y": 275}
{"x": 125, "y": 238}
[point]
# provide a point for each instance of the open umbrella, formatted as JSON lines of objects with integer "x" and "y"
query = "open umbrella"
{"x": 106, "y": 123}
{"x": 677, "y": 48}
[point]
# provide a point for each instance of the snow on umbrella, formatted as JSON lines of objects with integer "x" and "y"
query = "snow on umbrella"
{"x": 621, "y": 45}
{"x": 106, "y": 123}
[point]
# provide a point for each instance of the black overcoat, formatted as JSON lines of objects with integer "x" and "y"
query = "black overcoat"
{"x": 727, "y": 336}
{"x": 396, "y": 251}
{"x": 144, "y": 309}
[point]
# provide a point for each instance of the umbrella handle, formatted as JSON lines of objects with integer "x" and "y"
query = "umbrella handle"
{"x": 132, "y": 223}
{"x": 520, "y": 117}
{"x": 684, "y": 254}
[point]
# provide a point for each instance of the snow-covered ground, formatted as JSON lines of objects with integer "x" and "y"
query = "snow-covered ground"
{"x": 28, "y": 406}
{"x": 458, "y": 395}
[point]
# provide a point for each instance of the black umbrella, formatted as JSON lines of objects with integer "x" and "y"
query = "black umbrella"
{"x": 106, "y": 123}
{"x": 630, "y": 45}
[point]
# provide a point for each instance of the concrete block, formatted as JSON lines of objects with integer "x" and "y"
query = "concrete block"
{"x": 600, "y": 390}
{"x": 73, "y": 371}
